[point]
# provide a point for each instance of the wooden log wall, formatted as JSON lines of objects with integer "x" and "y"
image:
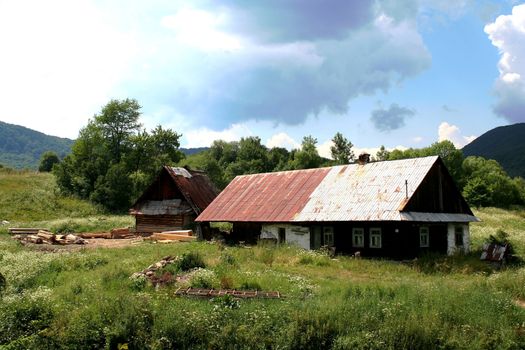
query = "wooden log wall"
{"x": 160, "y": 223}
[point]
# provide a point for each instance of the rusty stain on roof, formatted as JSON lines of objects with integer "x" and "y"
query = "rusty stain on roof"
{"x": 371, "y": 192}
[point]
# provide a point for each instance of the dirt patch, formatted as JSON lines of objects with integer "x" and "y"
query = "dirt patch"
{"x": 520, "y": 303}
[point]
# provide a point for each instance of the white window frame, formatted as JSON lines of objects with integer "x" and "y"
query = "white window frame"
{"x": 358, "y": 232}
{"x": 424, "y": 232}
{"x": 375, "y": 232}
{"x": 328, "y": 232}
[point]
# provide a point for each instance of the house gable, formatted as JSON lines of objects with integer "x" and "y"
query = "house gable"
{"x": 437, "y": 193}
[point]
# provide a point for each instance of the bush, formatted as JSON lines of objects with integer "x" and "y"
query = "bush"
{"x": 190, "y": 261}
{"x": 202, "y": 278}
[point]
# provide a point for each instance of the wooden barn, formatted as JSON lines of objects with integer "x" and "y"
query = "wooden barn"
{"x": 173, "y": 200}
{"x": 398, "y": 209}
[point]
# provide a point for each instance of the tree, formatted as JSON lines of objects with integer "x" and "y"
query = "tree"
{"x": 113, "y": 160}
{"x": 382, "y": 154}
{"x": 487, "y": 184}
{"x": 307, "y": 157}
{"x": 342, "y": 149}
{"x": 47, "y": 160}
{"x": 118, "y": 120}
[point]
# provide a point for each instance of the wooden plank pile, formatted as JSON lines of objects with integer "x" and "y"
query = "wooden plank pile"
{"x": 46, "y": 237}
{"x": 89, "y": 235}
{"x": 173, "y": 236}
{"x": 24, "y": 230}
{"x": 212, "y": 293}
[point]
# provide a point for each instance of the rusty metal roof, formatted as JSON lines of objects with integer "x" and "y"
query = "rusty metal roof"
{"x": 196, "y": 187}
{"x": 269, "y": 197}
{"x": 370, "y": 192}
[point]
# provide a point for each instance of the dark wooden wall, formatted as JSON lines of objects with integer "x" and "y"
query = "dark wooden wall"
{"x": 437, "y": 194}
{"x": 159, "y": 223}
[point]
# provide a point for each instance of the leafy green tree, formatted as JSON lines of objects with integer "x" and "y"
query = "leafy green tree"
{"x": 341, "y": 150}
{"x": 307, "y": 157}
{"x": 487, "y": 184}
{"x": 118, "y": 121}
{"x": 113, "y": 160}
{"x": 382, "y": 154}
{"x": 47, "y": 160}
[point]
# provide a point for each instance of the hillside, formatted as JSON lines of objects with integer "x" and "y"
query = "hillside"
{"x": 21, "y": 147}
{"x": 506, "y": 144}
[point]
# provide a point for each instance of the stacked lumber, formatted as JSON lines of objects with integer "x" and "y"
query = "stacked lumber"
{"x": 173, "y": 236}
{"x": 121, "y": 233}
{"x": 46, "y": 237}
{"x": 24, "y": 230}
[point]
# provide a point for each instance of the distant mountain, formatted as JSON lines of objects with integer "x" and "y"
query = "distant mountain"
{"x": 190, "y": 151}
{"x": 505, "y": 144}
{"x": 21, "y": 147}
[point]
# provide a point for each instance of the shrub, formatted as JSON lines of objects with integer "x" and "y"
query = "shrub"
{"x": 190, "y": 261}
{"x": 202, "y": 278}
{"x": 226, "y": 301}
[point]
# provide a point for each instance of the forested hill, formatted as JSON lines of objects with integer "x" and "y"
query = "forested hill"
{"x": 21, "y": 147}
{"x": 506, "y": 144}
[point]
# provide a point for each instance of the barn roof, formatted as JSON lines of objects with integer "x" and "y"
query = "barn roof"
{"x": 375, "y": 191}
{"x": 194, "y": 185}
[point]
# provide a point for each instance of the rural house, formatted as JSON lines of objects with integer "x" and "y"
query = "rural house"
{"x": 396, "y": 209}
{"x": 173, "y": 200}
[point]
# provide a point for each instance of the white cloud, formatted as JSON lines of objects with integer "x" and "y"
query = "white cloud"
{"x": 204, "y": 137}
{"x": 59, "y": 64}
{"x": 324, "y": 149}
{"x": 417, "y": 139}
{"x": 452, "y": 133}
{"x": 284, "y": 140}
{"x": 507, "y": 33}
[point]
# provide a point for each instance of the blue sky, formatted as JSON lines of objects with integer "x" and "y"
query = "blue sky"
{"x": 399, "y": 73}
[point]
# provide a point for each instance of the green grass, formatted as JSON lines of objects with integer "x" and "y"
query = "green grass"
{"x": 86, "y": 298}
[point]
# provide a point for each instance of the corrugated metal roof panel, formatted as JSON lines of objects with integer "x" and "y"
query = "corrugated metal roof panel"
{"x": 370, "y": 192}
{"x": 268, "y": 197}
{"x": 195, "y": 186}
{"x": 374, "y": 191}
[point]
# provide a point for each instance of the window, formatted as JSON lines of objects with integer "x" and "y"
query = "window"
{"x": 358, "y": 237}
{"x": 282, "y": 235}
{"x": 375, "y": 238}
{"x": 424, "y": 237}
{"x": 328, "y": 236}
{"x": 458, "y": 234}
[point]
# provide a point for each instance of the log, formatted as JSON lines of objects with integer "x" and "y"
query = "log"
{"x": 117, "y": 233}
{"x": 46, "y": 236}
{"x": 106, "y": 235}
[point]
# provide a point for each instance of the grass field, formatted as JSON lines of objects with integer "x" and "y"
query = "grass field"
{"x": 86, "y": 299}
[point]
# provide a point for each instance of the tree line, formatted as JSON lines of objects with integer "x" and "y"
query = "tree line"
{"x": 114, "y": 159}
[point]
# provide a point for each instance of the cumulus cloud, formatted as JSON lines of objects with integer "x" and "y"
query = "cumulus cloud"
{"x": 284, "y": 140}
{"x": 215, "y": 64}
{"x": 392, "y": 118}
{"x": 452, "y": 133}
{"x": 203, "y": 137}
{"x": 508, "y": 35}
{"x": 284, "y": 73}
